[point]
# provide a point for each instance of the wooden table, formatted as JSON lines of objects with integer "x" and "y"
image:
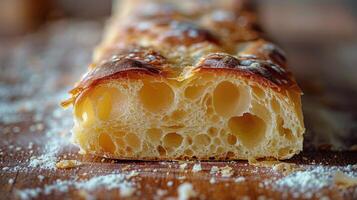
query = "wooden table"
{"x": 37, "y": 70}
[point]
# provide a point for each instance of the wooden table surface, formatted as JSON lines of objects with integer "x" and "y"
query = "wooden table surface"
{"x": 37, "y": 70}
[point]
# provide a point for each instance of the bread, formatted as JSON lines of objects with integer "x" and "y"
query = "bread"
{"x": 187, "y": 80}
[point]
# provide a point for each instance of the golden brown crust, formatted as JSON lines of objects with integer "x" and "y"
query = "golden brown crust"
{"x": 146, "y": 40}
{"x": 136, "y": 59}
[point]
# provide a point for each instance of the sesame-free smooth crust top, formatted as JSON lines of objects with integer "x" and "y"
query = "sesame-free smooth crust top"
{"x": 187, "y": 80}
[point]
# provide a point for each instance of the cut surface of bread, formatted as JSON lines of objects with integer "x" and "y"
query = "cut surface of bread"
{"x": 187, "y": 80}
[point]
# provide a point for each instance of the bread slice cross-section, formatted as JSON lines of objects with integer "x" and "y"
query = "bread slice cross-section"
{"x": 187, "y": 80}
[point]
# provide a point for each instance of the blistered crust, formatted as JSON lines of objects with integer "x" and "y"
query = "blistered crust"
{"x": 259, "y": 60}
{"x": 264, "y": 72}
{"x": 144, "y": 41}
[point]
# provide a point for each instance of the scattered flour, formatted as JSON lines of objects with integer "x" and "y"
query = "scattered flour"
{"x": 109, "y": 182}
{"x": 25, "y": 98}
{"x": 11, "y": 181}
{"x": 185, "y": 191}
{"x": 45, "y": 161}
{"x": 309, "y": 182}
{"x": 170, "y": 184}
{"x": 41, "y": 178}
{"x": 197, "y": 167}
{"x": 183, "y": 166}
{"x": 225, "y": 171}
{"x": 214, "y": 170}
{"x": 239, "y": 179}
{"x": 161, "y": 192}
{"x": 48, "y": 159}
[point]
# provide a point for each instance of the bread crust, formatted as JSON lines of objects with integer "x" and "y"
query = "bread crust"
{"x": 225, "y": 25}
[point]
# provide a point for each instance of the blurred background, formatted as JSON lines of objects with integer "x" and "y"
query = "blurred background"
{"x": 319, "y": 36}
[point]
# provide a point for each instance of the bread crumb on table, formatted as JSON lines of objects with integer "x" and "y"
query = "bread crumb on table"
{"x": 281, "y": 167}
{"x": 285, "y": 168}
{"x": 226, "y": 171}
{"x": 67, "y": 164}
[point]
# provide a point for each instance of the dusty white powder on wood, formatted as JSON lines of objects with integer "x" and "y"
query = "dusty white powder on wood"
{"x": 308, "y": 182}
{"x": 109, "y": 182}
{"x": 214, "y": 170}
{"x": 185, "y": 191}
{"x": 197, "y": 167}
{"x": 183, "y": 166}
{"x": 239, "y": 179}
{"x": 27, "y": 100}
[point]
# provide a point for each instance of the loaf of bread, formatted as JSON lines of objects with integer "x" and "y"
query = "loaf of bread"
{"x": 187, "y": 80}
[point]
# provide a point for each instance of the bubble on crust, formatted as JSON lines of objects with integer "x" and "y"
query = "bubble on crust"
{"x": 101, "y": 102}
{"x": 84, "y": 110}
{"x": 285, "y": 132}
{"x": 283, "y": 152}
{"x": 104, "y": 106}
{"x": 133, "y": 141}
{"x": 225, "y": 98}
{"x": 82, "y": 140}
{"x": 275, "y": 105}
{"x": 161, "y": 150}
{"x": 219, "y": 150}
{"x": 189, "y": 140}
{"x": 217, "y": 141}
{"x": 201, "y": 140}
{"x": 188, "y": 152}
{"x": 258, "y": 92}
{"x": 231, "y": 139}
{"x": 212, "y": 131}
{"x": 106, "y": 143}
{"x": 120, "y": 143}
{"x": 154, "y": 135}
{"x": 119, "y": 134}
{"x": 249, "y": 129}
{"x": 172, "y": 140}
{"x": 178, "y": 115}
{"x": 207, "y": 99}
{"x": 156, "y": 96}
{"x": 194, "y": 91}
